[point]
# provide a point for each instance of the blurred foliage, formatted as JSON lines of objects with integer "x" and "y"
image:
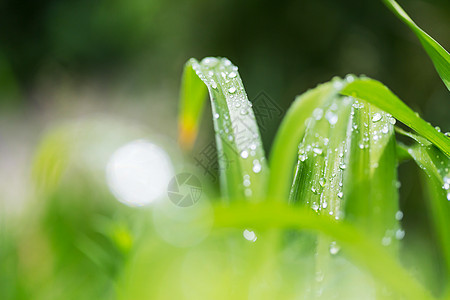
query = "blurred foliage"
{"x": 300, "y": 42}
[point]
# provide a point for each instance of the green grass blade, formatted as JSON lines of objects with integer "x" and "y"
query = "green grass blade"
{"x": 285, "y": 147}
{"x": 192, "y": 100}
{"x": 318, "y": 175}
{"x": 243, "y": 168}
{"x": 437, "y": 168}
{"x": 318, "y": 182}
{"x": 355, "y": 244}
{"x": 347, "y": 169}
{"x": 370, "y": 178}
{"x": 347, "y": 166}
{"x": 439, "y": 56}
{"x": 379, "y": 95}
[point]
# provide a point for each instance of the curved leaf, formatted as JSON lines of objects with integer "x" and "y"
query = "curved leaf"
{"x": 242, "y": 164}
{"x": 439, "y": 56}
{"x": 376, "y": 93}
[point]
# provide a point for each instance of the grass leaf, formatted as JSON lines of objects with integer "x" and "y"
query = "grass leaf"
{"x": 347, "y": 169}
{"x": 437, "y": 168}
{"x": 193, "y": 96}
{"x": 347, "y": 165}
{"x": 439, "y": 56}
{"x": 379, "y": 95}
{"x": 370, "y": 178}
{"x": 285, "y": 147}
{"x": 242, "y": 164}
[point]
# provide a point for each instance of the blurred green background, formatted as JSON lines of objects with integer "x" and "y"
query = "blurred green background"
{"x": 283, "y": 47}
{"x": 119, "y": 63}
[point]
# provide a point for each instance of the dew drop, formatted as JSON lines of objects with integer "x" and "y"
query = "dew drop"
{"x": 334, "y": 248}
{"x": 337, "y": 84}
{"x": 209, "y": 61}
{"x": 399, "y": 234}
{"x": 213, "y": 84}
{"x": 232, "y": 90}
{"x": 318, "y": 151}
{"x": 256, "y": 166}
{"x": 324, "y": 205}
{"x": 232, "y": 75}
{"x": 246, "y": 182}
{"x": 331, "y": 117}
{"x": 340, "y": 194}
{"x": 249, "y": 235}
{"x": 350, "y": 78}
{"x": 322, "y": 182}
{"x": 318, "y": 113}
{"x": 392, "y": 120}
{"x": 399, "y": 215}
{"x": 376, "y": 117}
{"x": 385, "y": 129}
{"x": 386, "y": 241}
{"x": 342, "y": 166}
{"x": 216, "y": 116}
{"x": 244, "y": 154}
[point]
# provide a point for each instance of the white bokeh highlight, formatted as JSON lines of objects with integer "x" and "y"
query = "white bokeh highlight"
{"x": 138, "y": 173}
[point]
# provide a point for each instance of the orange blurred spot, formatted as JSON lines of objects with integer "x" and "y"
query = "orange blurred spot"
{"x": 187, "y": 133}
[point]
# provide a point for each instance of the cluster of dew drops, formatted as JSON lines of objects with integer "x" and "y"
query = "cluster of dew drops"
{"x": 382, "y": 123}
{"x": 331, "y": 116}
{"x": 221, "y": 76}
{"x": 385, "y": 129}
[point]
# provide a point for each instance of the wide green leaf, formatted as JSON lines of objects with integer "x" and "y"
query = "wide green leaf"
{"x": 439, "y": 56}
{"x": 242, "y": 164}
{"x": 347, "y": 170}
{"x": 370, "y": 177}
{"x": 285, "y": 147}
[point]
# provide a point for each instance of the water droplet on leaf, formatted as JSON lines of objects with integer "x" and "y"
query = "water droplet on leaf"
{"x": 376, "y": 117}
